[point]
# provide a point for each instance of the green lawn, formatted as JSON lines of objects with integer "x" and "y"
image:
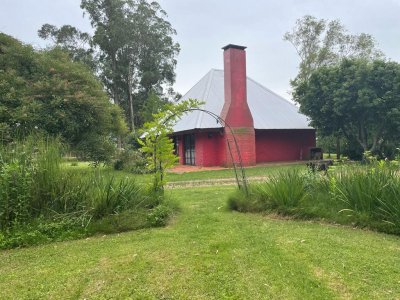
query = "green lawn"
{"x": 208, "y": 252}
{"x": 257, "y": 171}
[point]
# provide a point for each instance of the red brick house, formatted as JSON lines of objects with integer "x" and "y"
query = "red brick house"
{"x": 266, "y": 126}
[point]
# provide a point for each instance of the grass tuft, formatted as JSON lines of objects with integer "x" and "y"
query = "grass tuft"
{"x": 282, "y": 192}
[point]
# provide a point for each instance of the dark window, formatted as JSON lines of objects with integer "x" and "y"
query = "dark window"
{"x": 175, "y": 141}
{"x": 189, "y": 149}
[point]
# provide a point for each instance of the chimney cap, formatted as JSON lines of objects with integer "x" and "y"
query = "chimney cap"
{"x": 234, "y": 47}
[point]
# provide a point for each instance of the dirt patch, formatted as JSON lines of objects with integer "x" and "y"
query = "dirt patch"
{"x": 179, "y": 169}
{"x": 212, "y": 182}
{"x": 334, "y": 282}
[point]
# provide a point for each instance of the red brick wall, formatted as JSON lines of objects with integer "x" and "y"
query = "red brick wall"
{"x": 209, "y": 149}
{"x": 283, "y": 145}
{"x": 255, "y": 146}
{"x": 212, "y": 149}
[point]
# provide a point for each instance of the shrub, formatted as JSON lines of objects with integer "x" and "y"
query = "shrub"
{"x": 131, "y": 161}
{"x": 96, "y": 148}
{"x": 120, "y": 222}
{"x": 41, "y": 231}
{"x": 159, "y": 215}
{"x": 247, "y": 202}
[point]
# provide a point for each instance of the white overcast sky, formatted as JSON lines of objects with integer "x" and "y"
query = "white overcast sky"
{"x": 204, "y": 26}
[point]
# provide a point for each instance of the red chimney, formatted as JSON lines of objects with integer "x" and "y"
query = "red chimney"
{"x": 236, "y": 112}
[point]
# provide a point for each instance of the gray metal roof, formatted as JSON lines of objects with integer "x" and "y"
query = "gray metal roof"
{"x": 269, "y": 110}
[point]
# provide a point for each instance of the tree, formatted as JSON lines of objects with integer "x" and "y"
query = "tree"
{"x": 152, "y": 106}
{"x": 359, "y": 98}
{"x": 47, "y": 91}
{"x": 156, "y": 143}
{"x": 325, "y": 43}
{"x": 137, "y": 52}
{"x": 71, "y": 40}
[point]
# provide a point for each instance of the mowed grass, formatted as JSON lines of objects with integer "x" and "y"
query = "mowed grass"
{"x": 256, "y": 171}
{"x": 208, "y": 252}
{"x": 226, "y": 173}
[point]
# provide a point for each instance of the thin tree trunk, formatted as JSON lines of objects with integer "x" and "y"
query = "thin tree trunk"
{"x": 115, "y": 94}
{"x": 363, "y": 137}
{"x": 114, "y": 70}
{"x": 131, "y": 113}
{"x": 131, "y": 116}
{"x": 377, "y": 140}
{"x": 338, "y": 147}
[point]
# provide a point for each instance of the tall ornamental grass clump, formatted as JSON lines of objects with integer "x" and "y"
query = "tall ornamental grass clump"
{"x": 285, "y": 190}
{"x": 46, "y": 154}
{"x": 15, "y": 192}
{"x": 282, "y": 192}
{"x": 41, "y": 201}
{"x": 363, "y": 195}
{"x": 370, "y": 194}
{"x": 29, "y": 171}
{"x": 107, "y": 196}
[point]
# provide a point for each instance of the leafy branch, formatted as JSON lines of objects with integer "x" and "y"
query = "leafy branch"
{"x": 156, "y": 142}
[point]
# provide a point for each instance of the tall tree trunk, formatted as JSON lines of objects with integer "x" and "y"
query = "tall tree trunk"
{"x": 132, "y": 119}
{"x": 115, "y": 93}
{"x": 114, "y": 71}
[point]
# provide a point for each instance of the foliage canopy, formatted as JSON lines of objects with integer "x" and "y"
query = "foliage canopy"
{"x": 358, "y": 98}
{"x": 72, "y": 40}
{"x": 323, "y": 44}
{"x": 137, "y": 52}
{"x": 156, "y": 142}
{"x": 319, "y": 42}
{"x": 48, "y": 92}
